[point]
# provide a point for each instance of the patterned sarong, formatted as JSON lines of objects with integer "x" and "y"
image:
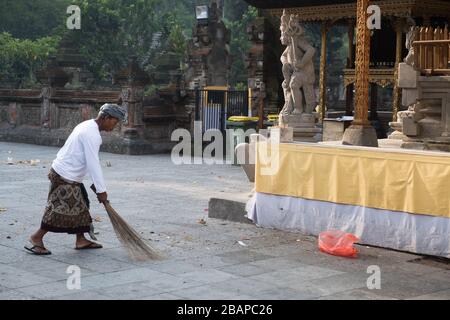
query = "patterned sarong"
{"x": 67, "y": 208}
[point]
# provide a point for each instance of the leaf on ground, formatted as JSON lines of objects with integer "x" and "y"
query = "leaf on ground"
{"x": 98, "y": 219}
{"x": 242, "y": 244}
{"x": 2, "y": 209}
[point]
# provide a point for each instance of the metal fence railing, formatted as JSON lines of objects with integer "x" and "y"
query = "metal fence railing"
{"x": 214, "y": 107}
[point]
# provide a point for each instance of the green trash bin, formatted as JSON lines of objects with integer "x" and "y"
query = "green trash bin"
{"x": 244, "y": 124}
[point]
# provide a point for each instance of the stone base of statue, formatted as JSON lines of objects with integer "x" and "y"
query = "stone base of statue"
{"x": 397, "y": 134}
{"x": 360, "y": 135}
{"x": 441, "y": 144}
{"x": 303, "y": 126}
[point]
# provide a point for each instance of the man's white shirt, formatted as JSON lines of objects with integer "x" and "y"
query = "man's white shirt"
{"x": 79, "y": 155}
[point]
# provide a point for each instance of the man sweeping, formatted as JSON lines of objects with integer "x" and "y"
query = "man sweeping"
{"x": 67, "y": 209}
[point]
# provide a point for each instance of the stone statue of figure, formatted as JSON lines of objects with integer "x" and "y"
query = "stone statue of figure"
{"x": 298, "y": 68}
{"x": 410, "y": 38}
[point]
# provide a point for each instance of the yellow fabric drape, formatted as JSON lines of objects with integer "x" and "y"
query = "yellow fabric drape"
{"x": 410, "y": 182}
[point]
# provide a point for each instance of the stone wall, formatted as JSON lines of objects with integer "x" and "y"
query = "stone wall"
{"x": 32, "y": 116}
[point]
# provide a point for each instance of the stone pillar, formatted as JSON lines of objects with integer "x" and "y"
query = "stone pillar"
{"x": 46, "y": 94}
{"x": 13, "y": 114}
{"x": 133, "y": 80}
{"x": 261, "y": 63}
{"x": 323, "y": 71}
{"x": 361, "y": 132}
{"x": 53, "y": 77}
{"x": 208, "y": 54}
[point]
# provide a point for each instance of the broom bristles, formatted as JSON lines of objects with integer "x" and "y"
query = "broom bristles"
{"x": 136, "y": 247}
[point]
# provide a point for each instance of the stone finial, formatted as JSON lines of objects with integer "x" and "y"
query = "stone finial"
{"x": 53, "y": 75}
{"x": 132, "y": 75}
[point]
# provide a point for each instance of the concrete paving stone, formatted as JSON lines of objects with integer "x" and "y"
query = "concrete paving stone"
{"x": 162, "y": 296}
{"x": 84, "y": 295}
{"x": 13, "y": 278}
{"x": 441, "y": 275}
{"x": 166, "y": 283}
{"x": 320, "y": 259}
{"x": 170, "y": 267}
{"x": 215, "y": 248}
{"x": 164, "y": 203}
{"x": 413, "y": 268}
{"x": 244, "y": 269}
{"x": 243, "y": 256}
{"x": 278, "y": 293}
{"x": 207, "y": 292}
{"x": 117, "y": 253}
{"x": 265, "y": 291}
{"x": 208, "y": 275}
{"x": 120, "y": 278}
{"x": 334, "y": 284}
{"x": 48, "y": 268}
{"x": 404, "y": 285}
{"x": 128, "y": 291}
{"x": 391, "y": 255}
{"x": 209, "y": 261}
{"x": 278, "y": 263}
{"x": 92, "y": 262}
{"x": 2, "y": 288}
{"x": 296, "y": 276}
{"x": 15, "y": 295}
{"x": 258, "y": 241}
{"x": 356, "y": 294}
{"x": 244, "y": 286}
{"x": 48, "y": 290}
{"x": 439, "y": 295}
{"x": 290, "y": 249}
{"x": 11, "y": 255}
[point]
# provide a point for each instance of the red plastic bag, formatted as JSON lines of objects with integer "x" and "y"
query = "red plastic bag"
{"x": 338, "y": 243}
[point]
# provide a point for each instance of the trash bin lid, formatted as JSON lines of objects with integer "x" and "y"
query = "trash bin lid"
{"x": 242, "y": 119}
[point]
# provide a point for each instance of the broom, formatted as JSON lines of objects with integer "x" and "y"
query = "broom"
{"x": 137, "y": 248}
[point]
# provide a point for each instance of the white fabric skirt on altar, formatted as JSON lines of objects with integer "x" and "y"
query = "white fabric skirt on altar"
{"x": 415, "y": 233}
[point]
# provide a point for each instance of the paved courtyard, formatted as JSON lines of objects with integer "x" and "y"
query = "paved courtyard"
{"x": 205, "y": 258}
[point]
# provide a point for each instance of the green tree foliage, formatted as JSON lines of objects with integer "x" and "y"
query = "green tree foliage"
{"x": 32, "y": 19}
{"x": 113, "y": 30}
{"x": 20, "y": 58}
{"x": 238, "y": 15}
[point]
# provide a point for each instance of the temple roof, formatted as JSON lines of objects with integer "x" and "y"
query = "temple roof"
{"x": 319, "y": 10}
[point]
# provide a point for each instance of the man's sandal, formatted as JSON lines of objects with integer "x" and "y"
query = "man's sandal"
{"x": 91, "y": 245}
{"x": 33, "y": 250}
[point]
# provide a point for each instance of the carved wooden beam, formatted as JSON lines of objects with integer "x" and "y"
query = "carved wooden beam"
{"x": 395, "y": 8}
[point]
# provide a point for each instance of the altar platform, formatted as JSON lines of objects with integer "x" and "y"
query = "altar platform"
{"x": 391, "y": 198}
